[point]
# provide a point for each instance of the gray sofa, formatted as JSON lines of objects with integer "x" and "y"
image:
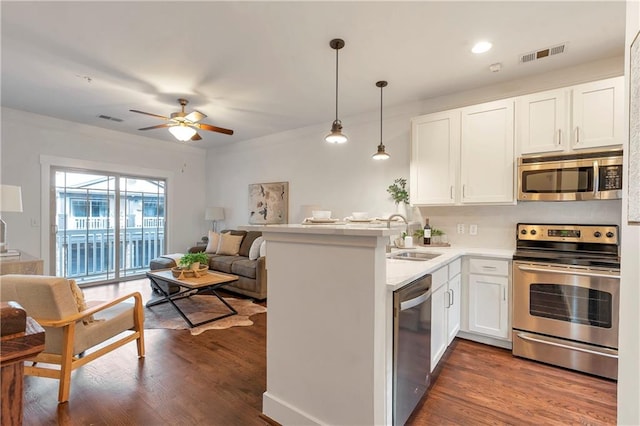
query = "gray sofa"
{"x": 252, "y": 274}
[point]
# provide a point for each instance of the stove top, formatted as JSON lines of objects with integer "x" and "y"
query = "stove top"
{"x": 580, "y": 245}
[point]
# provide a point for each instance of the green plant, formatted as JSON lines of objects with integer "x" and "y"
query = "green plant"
{"x": 190, "y": 258}
{"x": 419, "y": 233}
{"x": 436, "y": 232}
{"x": 398, "y": 191}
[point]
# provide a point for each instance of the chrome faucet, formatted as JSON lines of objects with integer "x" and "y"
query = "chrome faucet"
{"x": 401, "y": 217}
{"x": 388, "y": 220}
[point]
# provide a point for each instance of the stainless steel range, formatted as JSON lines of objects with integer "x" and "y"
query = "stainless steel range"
{"x": 566, "y": 290}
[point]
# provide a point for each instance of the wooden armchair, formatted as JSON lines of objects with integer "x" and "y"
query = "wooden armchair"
{"x": 70, "y": 330}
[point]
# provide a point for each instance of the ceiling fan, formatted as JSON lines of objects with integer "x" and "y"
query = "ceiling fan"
{"x": 182, "y": 125}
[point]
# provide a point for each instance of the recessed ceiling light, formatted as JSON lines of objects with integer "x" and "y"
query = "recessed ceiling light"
{"x": 481, "y": 47}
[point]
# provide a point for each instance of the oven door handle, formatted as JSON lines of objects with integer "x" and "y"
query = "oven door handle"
{"x": 572, "y": 272}
{"x": 560, "y": 345}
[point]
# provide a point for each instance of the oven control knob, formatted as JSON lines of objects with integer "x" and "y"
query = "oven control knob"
{"x": 597, "y": 234}
{"x": 609, "y": 234}
{"x": 523, "y": 232}
{"x": 533, "y": 232}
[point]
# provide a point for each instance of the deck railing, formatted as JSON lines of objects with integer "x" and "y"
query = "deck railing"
{"x": 88, "y": 254}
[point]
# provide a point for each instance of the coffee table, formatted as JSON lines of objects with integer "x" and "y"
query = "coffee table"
{"x": 208, "y": 281}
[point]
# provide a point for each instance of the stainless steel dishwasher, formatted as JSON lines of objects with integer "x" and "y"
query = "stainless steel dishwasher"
{"x": 411, "y": 347}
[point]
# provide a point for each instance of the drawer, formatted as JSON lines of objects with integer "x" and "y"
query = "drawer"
{"x": 489, "y": 267}
{"x": 439, "y": 277}
{"x": 454, "y": 268}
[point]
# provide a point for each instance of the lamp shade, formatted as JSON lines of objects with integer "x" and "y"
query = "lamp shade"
{"x": 214, "y": 213}
{"x": 10, "y": 198}
{"x": 182, "y": 132}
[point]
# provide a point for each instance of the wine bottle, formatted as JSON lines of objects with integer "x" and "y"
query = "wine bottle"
{"x": 427, "y": 233}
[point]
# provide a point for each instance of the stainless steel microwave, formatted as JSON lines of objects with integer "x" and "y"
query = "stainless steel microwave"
{"x": 570, "y": 177}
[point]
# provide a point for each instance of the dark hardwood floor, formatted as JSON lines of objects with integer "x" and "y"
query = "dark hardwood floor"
{"x": 218, "y": 377}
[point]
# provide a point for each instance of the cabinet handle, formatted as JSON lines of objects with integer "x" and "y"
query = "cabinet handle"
{"x": 464, "y": 193}
{"x": 504, "y": 293}
{"x": 559, "y": 136}
{"x": 577, "y": 134}
{"x": 489, "y": 267}
{"x": 451, "y": 297}
{"x": 448, "y": 300}
{"x": 451, "y": 192}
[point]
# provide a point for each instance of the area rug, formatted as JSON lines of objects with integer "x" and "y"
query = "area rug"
{"x": 200, "y": 308}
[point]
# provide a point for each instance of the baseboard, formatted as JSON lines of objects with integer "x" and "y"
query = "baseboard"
{"x": 485, "y": 339}
{"x": 283, "y": 413}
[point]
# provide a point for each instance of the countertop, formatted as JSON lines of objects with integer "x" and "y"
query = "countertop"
{"x": 401, "y": 272}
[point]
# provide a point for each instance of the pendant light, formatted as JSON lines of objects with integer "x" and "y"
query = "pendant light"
{"x": 381, "y": 154}
{"x": 336, "y": 135}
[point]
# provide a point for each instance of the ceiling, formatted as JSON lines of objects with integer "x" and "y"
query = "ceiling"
{"x": 265, "y": 67}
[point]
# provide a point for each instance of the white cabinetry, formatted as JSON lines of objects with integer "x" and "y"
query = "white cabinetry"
{"x": 597, "y": 111}
{"x": 542, "y": 122}
{"x": 578, "y": 117}
{"x": 445, "y": 309}
{"x": 435, "y": 142}
{"x": 487, "y": 158}
{"x": 464, "y": 156}
{"x": 489, "y": 297}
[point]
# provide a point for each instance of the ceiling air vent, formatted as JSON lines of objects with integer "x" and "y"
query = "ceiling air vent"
{"x": 542, "y": 53}
{"x": 106, "y": 117}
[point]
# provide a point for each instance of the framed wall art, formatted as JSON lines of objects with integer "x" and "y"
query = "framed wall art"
{"x": 269, "y": 203}
{"x": 633, "y": 207}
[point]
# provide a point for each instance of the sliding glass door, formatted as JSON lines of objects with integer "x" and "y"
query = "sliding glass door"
{"x": 107, "y": 226}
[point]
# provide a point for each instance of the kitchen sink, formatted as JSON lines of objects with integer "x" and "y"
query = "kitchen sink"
{"x": 414, "y": 255}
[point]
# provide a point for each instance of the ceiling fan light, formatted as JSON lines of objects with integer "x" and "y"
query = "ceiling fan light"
{"x": 182, "y": 132}
{"x": 336, "y": 135}
{"x": 381, "y": 154}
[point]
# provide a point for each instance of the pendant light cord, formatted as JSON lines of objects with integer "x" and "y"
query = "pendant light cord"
{"x": 337, "y": 84}
{"x": 381, "y": 113}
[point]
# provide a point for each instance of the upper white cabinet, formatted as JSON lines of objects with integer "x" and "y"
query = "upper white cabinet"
{"x": 486, "y": 153}
{"x": 434, "y": 157}
{"x": 542, "y": 122}
{"x": 463, "y": 156}
{"x": 578, "y": 117}
{"x": 597, "y": 114}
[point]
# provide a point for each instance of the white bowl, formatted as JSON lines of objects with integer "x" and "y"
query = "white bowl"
{"x": 360, "y": 215}
{"x": 321, "y": 214}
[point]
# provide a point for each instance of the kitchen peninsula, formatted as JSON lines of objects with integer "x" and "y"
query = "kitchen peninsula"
{"x": 329, "y": 333}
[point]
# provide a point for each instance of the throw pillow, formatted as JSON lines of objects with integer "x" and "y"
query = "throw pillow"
{"x": 214, "y": 240}
{"x": 80, "y": 302}
{"x": 229, "y": 244}
{"x": 263, "y": 249}
{"x": 254, "y": 251}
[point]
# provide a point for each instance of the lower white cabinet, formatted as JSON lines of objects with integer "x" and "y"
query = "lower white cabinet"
{"x": 489, "y": 297}
{"x": 445, "y": 309}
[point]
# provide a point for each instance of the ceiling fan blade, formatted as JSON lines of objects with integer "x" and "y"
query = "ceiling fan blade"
{"x": 159, "y": 126}
{"x": 148, "y": 113}
{"x": 196, "y": 137}
{"x": 195, "y": 116}
{"x": 213, "y": 128}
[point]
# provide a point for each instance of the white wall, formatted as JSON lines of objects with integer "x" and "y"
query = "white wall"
{"x": 28, "y": 138}
{"x": 629, "y": 337}
{"x": 344, "y": 178}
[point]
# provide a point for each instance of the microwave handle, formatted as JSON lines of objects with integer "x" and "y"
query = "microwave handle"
{"x": 596, "y": 178}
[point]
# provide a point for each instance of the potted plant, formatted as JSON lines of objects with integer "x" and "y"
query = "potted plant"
{"x": 193, "y": 260}
{"x": 400, "y": 195}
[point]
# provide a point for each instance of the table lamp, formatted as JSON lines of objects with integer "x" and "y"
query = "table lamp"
{"x": 214, "y": 214}
{"x": 10, "y": 201}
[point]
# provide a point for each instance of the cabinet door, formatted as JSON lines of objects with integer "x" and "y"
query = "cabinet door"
{"x": 597, "y": 114}
{"x": 453, "y": 312}
{"x": 488, "y": 305}
{"x": 435, "y": 139}
{"x": 487, "y": 157}
{"x": 541, "y": 122}
{"x": 439, "y": 303}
